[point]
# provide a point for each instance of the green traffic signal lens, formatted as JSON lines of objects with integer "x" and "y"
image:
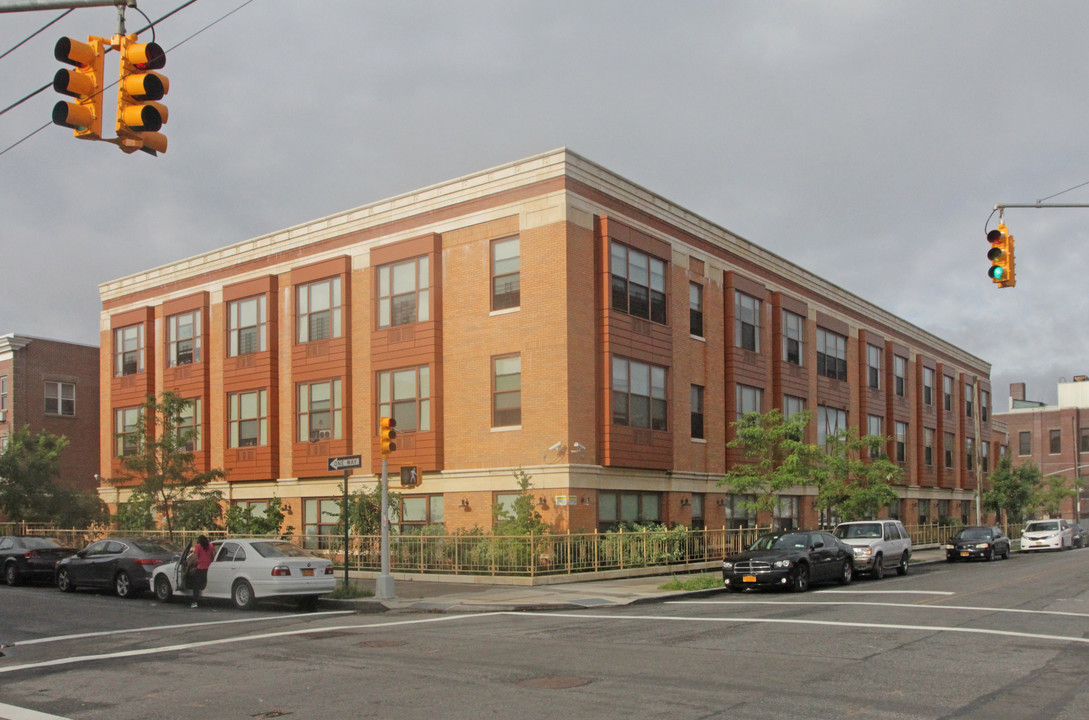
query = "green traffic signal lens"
{"x": 996, "y": 272}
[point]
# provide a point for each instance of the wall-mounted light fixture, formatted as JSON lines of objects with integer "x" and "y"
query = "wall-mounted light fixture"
{"x": 541, "y": 502}
{"x": 286, "y": 507}
{"x": 720, "y": 502}
{"x": 464, "y": 504}
{"x": 685, "y": 502}
{"x": 585, "y": 499}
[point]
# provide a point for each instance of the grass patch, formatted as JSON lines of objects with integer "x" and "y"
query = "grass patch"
{"x": 692, "y": 582}
{"x": 351, "y": 591}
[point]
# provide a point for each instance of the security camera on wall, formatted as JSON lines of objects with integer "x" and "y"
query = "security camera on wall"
{"x": 557, "y": 446}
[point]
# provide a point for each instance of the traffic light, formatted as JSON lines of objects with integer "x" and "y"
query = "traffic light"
{"x": 84, "y": 83}
{"x": 139, "y": 114}
{"x": 388, "y": 434}
{"x": 1001, "y": 257}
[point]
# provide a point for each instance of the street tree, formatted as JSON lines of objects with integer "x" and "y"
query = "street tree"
{"x": 777, "y": 457}
{"x": 522, "y": 518}
{"x": 1014, "y": 491}
{"x": 855, "y": 477}
{"x": 162, "y": 463}
{"x": 29, "y": 492}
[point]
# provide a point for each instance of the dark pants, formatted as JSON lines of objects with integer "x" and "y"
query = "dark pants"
{"x": 197, "y": 581}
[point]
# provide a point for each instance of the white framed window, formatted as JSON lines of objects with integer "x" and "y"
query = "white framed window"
{"x": 318, "y": 310}
{"x": 901, "y": 441}
{"x": 831, "y": 354}
{"x": 128, "y": 348}
{"x": 507, "y": 391}
{"x": 183, "y": 338}
{"x": 746, "y": 322}
{"x": 875, "y": 425}
{"x": 639, "y": 394}
{"x": 873, "y": 366}
{"x": 638, "y": 283}
{"x": 749, "y": 400}
{"x": 506, "y": 273}
{"x": 792, "y": 405}
{"x": 247, "y": 419}
{"x": 405, "y": 396}
{"x": 125, "y": 428}
{"x": 319, "y": 408}
{"x": 830, "y": 420}
{"x": 60, "y": 398}
{"x": 928, "y": 386}
{"x": 793, "y": 338}
{"x": 695, "y": 309}
{"x": 928, "y": 447}
{"x": 404, "y": 296}
{"x": 189, "y": 425}
{"x": 899, "y": 375}
{"x": 247, "y": 326}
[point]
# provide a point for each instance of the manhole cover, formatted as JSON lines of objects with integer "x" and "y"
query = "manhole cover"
{"x": 553, "y": 682}
{"x": 271, "y": 714}
{"x": 381, "y": 643}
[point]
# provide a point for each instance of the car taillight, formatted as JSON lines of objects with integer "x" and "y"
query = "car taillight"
{"x": 281, "y": 571}
{"x": 32, "y": 553}
{"x": 328, "y": 569}
{"x": 149, "y": 561}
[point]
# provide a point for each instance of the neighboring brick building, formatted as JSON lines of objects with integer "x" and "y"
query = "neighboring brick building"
{"x": 52, "y": 385}
{"x": 546, "y": 315}
{"x": 1055, "y": 438}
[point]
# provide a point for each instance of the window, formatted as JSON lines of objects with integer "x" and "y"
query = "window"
{"x": 3, "y": 392}
{"x": 1055, "y": 441}
{"x": 188, "y": 428}
{"x": 924, "y": 512}
{"x": 639, "y": 394}
{"x": 984, "y": 405}
{"x": 695, "y": 309}
{"x": 183, "y": 338}
{"x": 419, "y": 511}
{"x": 749, "y": 400}
{"x": 128, "y": 348}
{"x": 873, "y": 366}
{"x": 831, "y": 354}
{"x": 792, "y": 406}
{"x": 60, "y": 398}
{"x": 947, "y": 392}
{"x": 1083, "y": 440}
{"x": 403, "y": 295}
{"x": 746, "y": 322}
{"x": 950, "y": 441}
{"x": 740, "y": 512}
{"x": 638, "y": 283}
{"x": 901, "y": 441}
{"x": 247, "y": 419}
{"x": 786, "y": 512}
{"x": 697, "y": 511}
{"x": 899, "y": 375}
{"x": 928, "y": 386}
{"x": 696, "y": 396}
{"x": 506, "y": 274}
{"x": 829, "y": 421}
{"x": 983, "y": 456}
{"x": 405, "y": 396}
{"x": 630, "y": 507}
{"x": 246, "y": 326}
{"x": 317, "y": 309}
{"x": 970, "y": 453}
{"x": 965, "y": 511}
{"x": 875, "y": 425}
{"x": 943, "y": 511}
{"x": 793, "y": 338}
{"x": 507, "y": 391}
{"x": 126, "y": 425}
{"x": 969, "y": 395}
{"x": 320, "y": 520}
{"x": 319, "y": 409}
{"x": 3, "y": 443}
{"x": 1024, "y": 443}
{"x": 928, "y": 447}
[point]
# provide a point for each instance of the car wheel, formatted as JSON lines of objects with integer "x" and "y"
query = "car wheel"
{"x": 736, "y": 588}
{"x": 11, "y": 574}
{"x": 878, "y": 567}
{"x": 163, "y": 591}
{"x": 799, "y": 581}
{"x": 902, "y": 568}
{"x": 122, "y": 585}
{"x": 848, "y": 573}
{"x": 989, "y": 556}
{"x": 242, "y": 595}
{"x": 64, "y": 580}
{"x": 308, "y": 603}
{"x": 1006, "y": 553}
{"x": 949, "y": 558}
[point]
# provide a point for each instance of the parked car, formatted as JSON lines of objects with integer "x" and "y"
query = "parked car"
{"x": 878, "y": 545}
{"x": 1080, "y": 537}
{"x": 247, "y": 570}
{"x": 121, "y": 564}
{"x": 30, "y": 558}
{"x": 978, "y": 541}
{"x": 791, "y": 560}
{"x": 1052, "y": 534}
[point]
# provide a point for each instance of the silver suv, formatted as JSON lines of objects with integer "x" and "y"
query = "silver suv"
{"x": 879, "y": 545}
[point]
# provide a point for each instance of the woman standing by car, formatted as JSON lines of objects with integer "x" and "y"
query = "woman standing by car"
{"x": 199, "y": 561}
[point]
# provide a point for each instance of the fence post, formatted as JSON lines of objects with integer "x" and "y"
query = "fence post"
{"x": 596, "y": 542}
{"x": 532, "y": 556}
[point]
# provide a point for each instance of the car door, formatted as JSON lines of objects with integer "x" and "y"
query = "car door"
{"x": 1001, "y": 542}
{"x": 104, "y": 565}
{"x": 822, "y": 555}
{"x": 81, "y": 567}
{"x": 222, "y": 571}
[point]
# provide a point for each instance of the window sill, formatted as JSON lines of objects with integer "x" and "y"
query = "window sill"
{"x": 505, "y": 311}
{"x": 698, "y": 338}
{"x": 507, "y": 428}
{"x": 701, "y": 441}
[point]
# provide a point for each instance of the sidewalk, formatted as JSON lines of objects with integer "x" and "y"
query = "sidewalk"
{"x": 444, "y": 597}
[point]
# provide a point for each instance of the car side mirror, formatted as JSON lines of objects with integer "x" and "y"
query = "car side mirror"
{"x": 81, "y": 554}
{"x": 818, "y": 544}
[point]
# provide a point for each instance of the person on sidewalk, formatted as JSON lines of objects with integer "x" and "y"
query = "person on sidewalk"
{"x": 197, "y": 563}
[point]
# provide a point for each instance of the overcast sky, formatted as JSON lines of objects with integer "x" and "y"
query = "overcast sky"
{"x": 867, "y": 142}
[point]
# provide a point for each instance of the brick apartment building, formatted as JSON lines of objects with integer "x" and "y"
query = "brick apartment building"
{"x": 546, "y": 315}
{"x": 1054, "y": 438}
{"x": 52, "y": 385}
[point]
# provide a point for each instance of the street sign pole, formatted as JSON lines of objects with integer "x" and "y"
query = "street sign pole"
{"x": 347, "y": 522}
{"x": 384, "y": 589}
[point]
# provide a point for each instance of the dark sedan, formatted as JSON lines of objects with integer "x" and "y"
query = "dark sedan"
{"x": 978, "y": 541}
{"x": 121, "y": 564}
{"x": 791, "y": 560}
{"x": 30, "y": 558}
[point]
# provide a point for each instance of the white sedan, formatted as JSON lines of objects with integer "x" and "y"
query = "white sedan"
{"x": 1054, "y": 534}
{"x": 247, "y": 570}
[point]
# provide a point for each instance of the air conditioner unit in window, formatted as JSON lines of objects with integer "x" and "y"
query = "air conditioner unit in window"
{"x": 319, "y": 435}
{"x": 3, "y": 415}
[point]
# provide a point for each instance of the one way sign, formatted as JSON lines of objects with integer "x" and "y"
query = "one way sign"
{"x": 343, "y": 462}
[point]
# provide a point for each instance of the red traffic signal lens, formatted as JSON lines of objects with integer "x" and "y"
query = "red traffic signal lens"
{"x": 146, "y": 56}
{"x": 994, "y": 236}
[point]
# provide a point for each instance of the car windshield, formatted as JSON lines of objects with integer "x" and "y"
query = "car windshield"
{"x": 788, "y": 541}
{"x": 1042, "y": 526}
{"x": 35, "y": 543}
{"x": 974, "y": 534}
{"x": 279, "y": 548}
{"x": 861, "y": 530}
{"x": 154, "y": 546}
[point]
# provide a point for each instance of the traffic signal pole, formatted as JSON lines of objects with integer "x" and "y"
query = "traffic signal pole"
{"x": 384, "y": 589}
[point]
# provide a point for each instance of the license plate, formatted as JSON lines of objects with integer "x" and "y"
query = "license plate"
{"x": 308, "y": 572}
{"x": 964, "y": 554}
{"x": 749, "y": 578}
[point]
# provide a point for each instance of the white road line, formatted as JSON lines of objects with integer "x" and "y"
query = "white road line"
{"x": 880, "y": 604}
{"x": 228, "y": 641}
{"x": 81, "y": 636}
{"x": 884, "y": 592}
{"x": 11, "y": 712}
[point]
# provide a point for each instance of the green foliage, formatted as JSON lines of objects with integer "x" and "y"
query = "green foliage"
{"x": 28, "y": 467}
{"x": 242, "y": 520}
{"x": 136, "y": 514}
{"x": 778, "y": 458}
{"x": 854, "y": 478}
{"x": 692, "y": 582}
{"x": 351, "y": 591}
{"x": 1013, "y": 489}
{"x": 202, "y": 512}
{"x": 163, "y": 467}
{"x": 365, "y": 510}
{"x": 525, "y": 519}
{"x": 1051, "y": 497}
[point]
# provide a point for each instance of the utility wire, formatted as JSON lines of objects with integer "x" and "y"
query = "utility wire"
{"x": 1064, "y": 191}
{"x": 34, "y": 34}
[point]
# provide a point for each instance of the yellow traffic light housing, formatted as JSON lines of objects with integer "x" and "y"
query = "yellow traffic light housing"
{"x": 84, "y": 83}
{"x": 1001, "y": 257}
{"x": 139, "y": 114}
{"x": 388, "y": 434}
